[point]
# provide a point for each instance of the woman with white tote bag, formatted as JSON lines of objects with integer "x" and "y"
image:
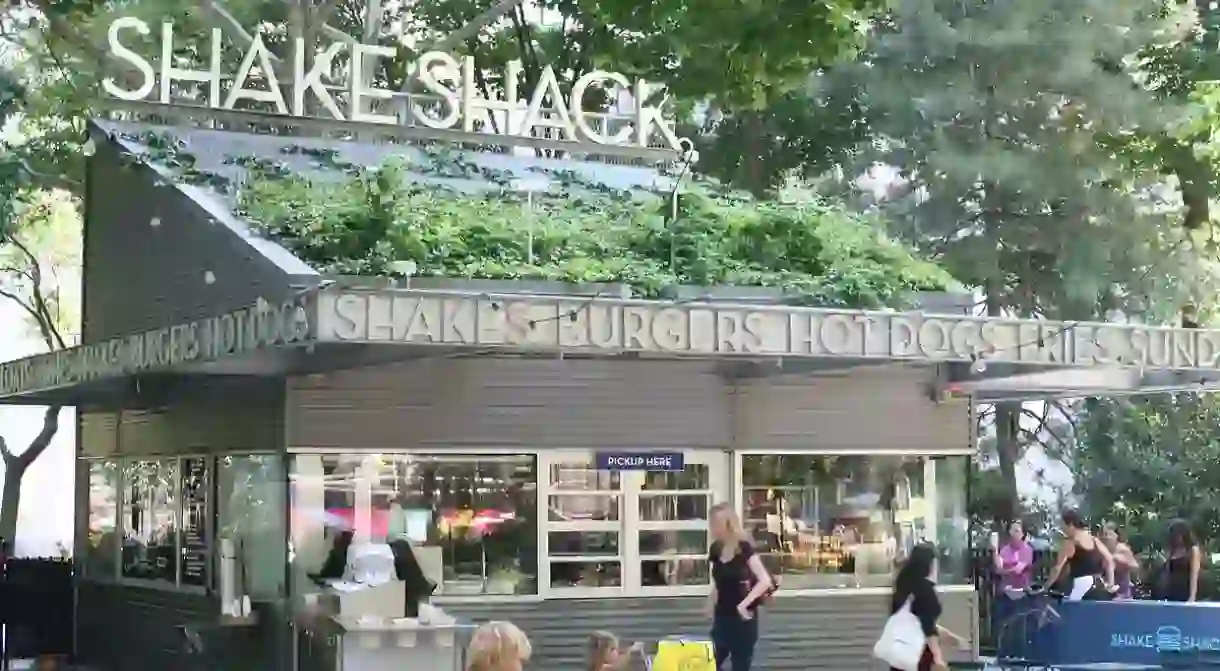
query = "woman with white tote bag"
{"x": 911, "y": 640}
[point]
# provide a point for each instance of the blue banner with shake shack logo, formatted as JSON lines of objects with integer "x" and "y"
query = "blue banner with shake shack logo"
{"x": 1165, "y": 639}
{"x": 1126, "y": 632}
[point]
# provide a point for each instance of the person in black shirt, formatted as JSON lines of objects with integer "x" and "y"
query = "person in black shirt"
{"x": 1180, "y": 578}
{"x": 1088, "y": 561}
{"x": 739, "y": 581}
{"x": 914, "y": 583}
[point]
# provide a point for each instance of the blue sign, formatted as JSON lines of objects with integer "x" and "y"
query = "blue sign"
{"x": 640, "y": 461}
{"x": 1127, "y": 632}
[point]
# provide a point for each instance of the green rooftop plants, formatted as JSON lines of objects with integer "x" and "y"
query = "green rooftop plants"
{"x": 367, "y": 221}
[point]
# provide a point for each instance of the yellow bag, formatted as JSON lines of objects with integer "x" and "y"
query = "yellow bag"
{"x": 684, "y": 655}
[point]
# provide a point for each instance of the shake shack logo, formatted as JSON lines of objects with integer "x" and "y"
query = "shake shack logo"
{"x": 1164, "y": 639}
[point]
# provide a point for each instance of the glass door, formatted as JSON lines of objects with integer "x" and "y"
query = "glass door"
{"x": 608, "y": 533}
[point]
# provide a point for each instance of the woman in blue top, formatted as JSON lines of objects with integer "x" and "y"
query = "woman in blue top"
{"x": 739, "y": 581}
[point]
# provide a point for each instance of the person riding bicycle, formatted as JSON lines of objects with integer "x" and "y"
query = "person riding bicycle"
{"x": 1087, "y": 560}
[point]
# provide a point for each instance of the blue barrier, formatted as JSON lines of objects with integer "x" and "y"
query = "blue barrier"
{"x": 1128, "y": 632}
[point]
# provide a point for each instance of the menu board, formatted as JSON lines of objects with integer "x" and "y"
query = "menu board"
{"x": 194, "y": 529}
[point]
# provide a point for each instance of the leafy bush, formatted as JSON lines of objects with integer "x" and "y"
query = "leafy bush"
{"x": 587, "y": 233}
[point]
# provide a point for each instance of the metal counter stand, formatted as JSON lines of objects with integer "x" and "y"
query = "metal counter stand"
{"x": 338, "y": 643}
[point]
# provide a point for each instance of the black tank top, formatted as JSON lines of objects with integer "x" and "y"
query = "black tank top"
{"x": 1085, "y": 562}
{"x": 1178, "y": 587}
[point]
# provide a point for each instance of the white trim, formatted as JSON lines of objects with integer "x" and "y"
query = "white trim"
{"x": 419, "y": 451}
{"x": 442, "y": 600}
{"x": 862, "y": 452}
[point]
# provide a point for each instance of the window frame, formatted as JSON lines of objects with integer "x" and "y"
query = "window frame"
{"x": 738, "y": 501}
{"x": 631, "y": 492}
{"x": 540, "y": 532}
{"x": 122, "y": 506}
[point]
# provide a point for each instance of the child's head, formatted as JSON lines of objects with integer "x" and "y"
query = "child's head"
{"x": 498, "y": 646}
{"x": 604, "y": 651}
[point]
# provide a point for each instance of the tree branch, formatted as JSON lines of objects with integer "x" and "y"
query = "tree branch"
{"x": 50, "y": 425}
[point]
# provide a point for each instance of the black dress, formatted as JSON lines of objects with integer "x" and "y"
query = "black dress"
{"x": 925, "y": 605}
{"x": 1177, "y": 578}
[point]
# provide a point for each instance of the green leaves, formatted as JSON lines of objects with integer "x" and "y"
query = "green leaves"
{"x": 587, "y": 233}
{"x": 1141, "y": 462}
{"x": 995, "y": 115}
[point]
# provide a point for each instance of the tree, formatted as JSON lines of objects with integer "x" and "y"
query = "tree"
{"x": 1143, "y": 461}
{"x": 994, "y": 115}
{"x": 33, "y": 246}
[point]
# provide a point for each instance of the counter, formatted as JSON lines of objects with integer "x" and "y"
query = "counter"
{"x": 1127, "y": 632}
{"x": 326, "y": 643}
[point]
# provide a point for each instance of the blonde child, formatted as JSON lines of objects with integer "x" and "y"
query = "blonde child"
{"x": 607, "y": 654}
{"x": 498, "y": 646}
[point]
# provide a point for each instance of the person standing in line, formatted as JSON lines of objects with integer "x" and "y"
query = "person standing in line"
{"x": 1087, "y": 560}
{"x": 1182, "y": 564}
{"x": 1014, "y": 564}
{"x": 739, "y": 582}
{"x": 914, "y": 584}
{"x": 1125, "y": 563}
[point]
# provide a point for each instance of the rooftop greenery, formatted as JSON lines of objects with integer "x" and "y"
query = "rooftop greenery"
{"x": 585, "y": 233}
{"x": 365, "y": 221}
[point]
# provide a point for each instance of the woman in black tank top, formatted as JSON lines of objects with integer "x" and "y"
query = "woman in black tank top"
{"x": 1086, "y": 558}
{"x": 1180, "y": 578}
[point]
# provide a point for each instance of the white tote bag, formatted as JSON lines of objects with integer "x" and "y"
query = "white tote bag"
{"x": 902, "y": 641}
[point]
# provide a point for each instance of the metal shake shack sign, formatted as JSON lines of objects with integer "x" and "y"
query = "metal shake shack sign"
{"x": 450, "y": 80}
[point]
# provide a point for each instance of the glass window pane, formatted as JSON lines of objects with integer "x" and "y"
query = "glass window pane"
{"x": 583, "y": 508}
{"x": 250, "y": 515}
{"x": 951, "y": 520}
{"x": 149, "y": 520}
{"x": 193, "y": 544}
{"x": 673, "y": 542}
{"x": 836, "y": 521}
{"x": 675, "y": 572}
{"x": 674, "y": 507}
{"x": 101, "y": 551}
{"x": 582, "y": 543}
{"x": 583, "y": 477}
{"x": 693, "y": 476}
{"x": 470, "y": 518}
{"x": 586, "y": 574}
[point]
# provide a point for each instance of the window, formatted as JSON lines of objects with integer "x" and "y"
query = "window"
{"x": 101, "y": 544}
{"x": 194, "y": 549}
{"x": 250, "y": 515}
{"x": 584, "y": 526}
{"x": 150, "y": 520}
{"x": 827, "y": 521}
{"x": 673, "y": 524}
{"x": 616, "y": 532}
{"x": 471, "y": 519}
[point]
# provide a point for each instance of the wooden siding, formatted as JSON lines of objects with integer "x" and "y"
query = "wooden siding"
{"x": 831, "y": 632}
{"x": 618, "y": 404}
{"x": 211, "y": 415}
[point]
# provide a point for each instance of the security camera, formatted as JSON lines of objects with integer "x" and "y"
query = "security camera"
{"x": 686, "y": 145}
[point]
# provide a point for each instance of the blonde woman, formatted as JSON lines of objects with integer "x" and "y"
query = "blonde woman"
{"x": 739, "y": 582}
{"x": 498, "y": 646}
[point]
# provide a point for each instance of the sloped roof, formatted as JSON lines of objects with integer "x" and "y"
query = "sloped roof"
{"x": 221, "y": 161}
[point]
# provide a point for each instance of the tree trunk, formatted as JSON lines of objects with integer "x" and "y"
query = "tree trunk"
{"x": 1007, "y": 443}
{"x": 14, "y": 470}
{"x": 1008, "y": 449}
{"x": 15, "y": 466}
